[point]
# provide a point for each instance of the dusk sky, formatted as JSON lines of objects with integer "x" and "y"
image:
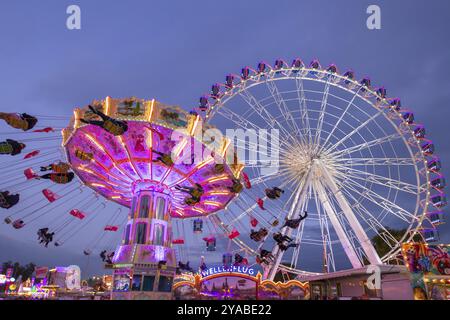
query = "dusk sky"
{"x": 174, "y": 50}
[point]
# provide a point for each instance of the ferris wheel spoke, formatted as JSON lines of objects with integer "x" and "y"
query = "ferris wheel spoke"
{"x": 377, "y": 161}
{"x": 374, "y": 223}
{"x": 323, "y": 107}
{"x": 266, "y": 178}
{"x": 303, "y": 109}
{"x": 284, "y": 110}
{"x": 367, "y": 144}
{"x": 249, "y": 146}
{"x": 271, "y": 121}
{"x": 244, "y": 123}
{"x": 381, "y": 180}
{"x": 380, "y": 201}
{"x": 326, "y": 239}
{"x": 350, "y": 103}
{"x": 238, "y": 120}
{"x": 355, "y": 130}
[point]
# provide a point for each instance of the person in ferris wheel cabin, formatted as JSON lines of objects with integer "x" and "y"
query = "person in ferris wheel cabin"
{"x": 60, "y": 178}
{"x": 11, "y": 147}
{"x": 274, "y": 193}
{"x": 8, "y": 200}
{"x": 294, "y": 223}
{"x": 113, "y": 126}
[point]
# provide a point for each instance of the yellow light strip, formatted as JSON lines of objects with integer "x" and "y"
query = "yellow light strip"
{"x": 198, "y": 210}
{"x": 107, "y": 105}
{"x": 76, "y": 115}
{"x": 213, "y": 203}
{"x": 204, "y": 163}
{"x": 218, "y": 193}
{"x": 149, "y": 142}
{"x": 98, "y": 185}
{"x": 218, "y": 178}
{"x": 194, "y": 126}
{"x": 149, "y": 116}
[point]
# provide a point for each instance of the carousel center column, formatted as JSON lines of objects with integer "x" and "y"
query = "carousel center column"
{"x": 145, "y": 263}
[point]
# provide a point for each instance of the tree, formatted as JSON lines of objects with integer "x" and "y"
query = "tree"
{"x": 25, "y": 271}
{"x": 382, "y": 247}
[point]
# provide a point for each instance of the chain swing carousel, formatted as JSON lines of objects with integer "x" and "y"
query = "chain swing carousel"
{"x": 144, "y": 156}
{"x": 147, "y": 170}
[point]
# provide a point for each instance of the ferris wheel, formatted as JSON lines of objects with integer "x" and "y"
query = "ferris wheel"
{"x": 357, "y": 162}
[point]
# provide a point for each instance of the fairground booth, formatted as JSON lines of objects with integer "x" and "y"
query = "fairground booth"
{"x": 429, "y": 266}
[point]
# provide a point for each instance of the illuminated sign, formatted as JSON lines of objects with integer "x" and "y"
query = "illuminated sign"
{"x": 2, "y": 279}
{"x": 228, "y": 269}
{"x": 73, "y": 274}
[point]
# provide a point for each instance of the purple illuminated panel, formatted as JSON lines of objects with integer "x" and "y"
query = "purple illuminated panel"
{"x": 114, "y": 164}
